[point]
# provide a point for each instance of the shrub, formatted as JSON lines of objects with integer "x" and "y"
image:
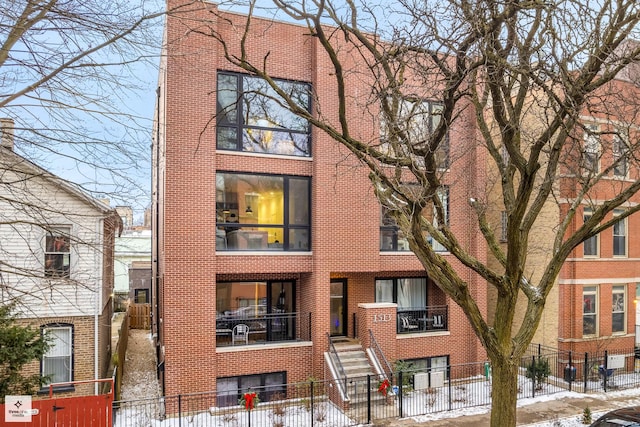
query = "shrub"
{"x": 539, "y": 371}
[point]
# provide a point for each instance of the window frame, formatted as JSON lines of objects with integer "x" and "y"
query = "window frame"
{"x": 59, "y": 234}
{"x": 504, "y": 222}
{"x": 624, "y": 235}
{"x": 619, "y": 308}
{"x": 44, "y": 329}
{"x": 265, "y": 391}
{"x": 620, "y": 151}
{"x": 136, "y": 295}
{"x": 394, "y": 283}
{"x": 410, "y": 113}
{"x": 591, "y": 149}
{"x": 390, "y": 229}
{"x": 240, "y": 127}
{"x": 288, "y": 226}
{"x": 590, "y": 291}
{"x": 586, "y": 215}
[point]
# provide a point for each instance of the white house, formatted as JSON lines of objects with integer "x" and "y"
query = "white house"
{"x": 57, "y": 248}
{"x": 133, "y": 265}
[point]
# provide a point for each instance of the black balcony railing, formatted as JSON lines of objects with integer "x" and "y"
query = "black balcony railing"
{"x": 427, "y": 319}
{"x": 271, "y": 327}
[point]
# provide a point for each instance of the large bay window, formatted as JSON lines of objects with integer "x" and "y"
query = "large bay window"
{"x": 252, "y": 117}
{"x": 262, "y": 212}
{"x": 267, "y": 308}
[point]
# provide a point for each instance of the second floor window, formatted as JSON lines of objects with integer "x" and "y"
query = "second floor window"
{"x": 619, "y": 235}
{"x": 57, "y": 256}
{"x": 252, "y": 117}
{"x": 262, "y": 212}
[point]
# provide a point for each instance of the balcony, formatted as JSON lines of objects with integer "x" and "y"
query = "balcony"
{"x": 255, "y": 328}
{"x": 429, "y": 319}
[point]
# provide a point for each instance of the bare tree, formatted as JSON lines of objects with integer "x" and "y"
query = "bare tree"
{"x": 529, "y": 71}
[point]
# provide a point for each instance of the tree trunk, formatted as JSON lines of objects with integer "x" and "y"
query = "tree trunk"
{"x": 504, "y": 393}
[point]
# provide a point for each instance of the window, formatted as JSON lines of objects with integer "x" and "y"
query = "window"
{"x": 57, "y": 363}
{"x": 267, "y": 308}
{"x": 619, "y": 235}
{"x": 618, "y": 309}
{"x": 409, "y": 135}
{"x": 269, "y": 386}
{"x": 57, "y": 252}
{"x": 620, "y": 156}
{"x": 590, "y": 311}
{"x": 427, "y": 364}
{"x": 252, "y": 117}
{"x": 504, "y": 222}
{"x": 409, "y": 293}
{"x": 263, "y": 212}
{"x": 591, "y": 149}
{"x": 590, "y": 246}
{"x": 443, "y": 195}
{"x": 391, "y": 237}
{"x": 141, "y": 296}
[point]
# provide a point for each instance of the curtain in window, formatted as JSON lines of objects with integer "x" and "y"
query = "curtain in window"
{"x": 57, "y": 360}
{"x": 384, "y": 290}
{"x": 412, "y": 293}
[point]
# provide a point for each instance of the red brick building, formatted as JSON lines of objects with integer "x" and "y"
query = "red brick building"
{"x": 273, "y": 226}
{"x": 598, "y": 281}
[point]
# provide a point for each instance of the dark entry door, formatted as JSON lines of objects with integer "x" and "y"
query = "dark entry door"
{"x": 338, "y": 307}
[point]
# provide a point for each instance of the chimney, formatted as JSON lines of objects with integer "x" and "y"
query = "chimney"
{"x": 6, "y": 126}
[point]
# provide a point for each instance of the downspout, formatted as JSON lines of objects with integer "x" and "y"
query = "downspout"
{"x": 156, "y": 186}
{"x": 96, "y": 323}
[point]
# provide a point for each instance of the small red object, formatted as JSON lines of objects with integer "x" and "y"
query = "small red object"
{"x": 249, "y": 399}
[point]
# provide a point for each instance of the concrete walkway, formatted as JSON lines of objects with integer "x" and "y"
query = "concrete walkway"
{"x": 540, "y": 411}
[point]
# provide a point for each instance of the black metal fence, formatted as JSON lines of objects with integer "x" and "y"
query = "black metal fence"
{"x": 412, "y": 392}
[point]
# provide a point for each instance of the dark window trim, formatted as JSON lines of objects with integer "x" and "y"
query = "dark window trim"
{"x": 262, "y": 386}
{"x": 240, "y": 125}
{"x": 286, "y": 226}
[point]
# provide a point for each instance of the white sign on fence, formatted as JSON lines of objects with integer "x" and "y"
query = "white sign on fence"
{"x": 17, "y": 409}
{"x": 615, "y": 362}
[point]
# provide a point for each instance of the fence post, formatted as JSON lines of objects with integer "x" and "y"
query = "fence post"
{"x": 605, "y": 372}
{"x": 369, "y": 399}
{"x": 312, "y": 405}
{"x": 400, "y": 391}
{"x": 179, "y": 410}
{"x": 533, "y": 376}
{"x": 450, "y": 389}
{"x": 570, "y": 371}
{"x": 586, "y": 370}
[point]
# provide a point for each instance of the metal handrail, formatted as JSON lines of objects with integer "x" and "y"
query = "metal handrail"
{"x": 332, "y": 350}
{"x": 378, "y": 351}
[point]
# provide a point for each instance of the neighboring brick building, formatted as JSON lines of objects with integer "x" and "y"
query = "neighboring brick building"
{"x": 279, "y": 229}
{"x": 57, "y": 251}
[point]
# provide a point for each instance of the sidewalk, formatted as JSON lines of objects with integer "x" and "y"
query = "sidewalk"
{"x": 533, "y": 412}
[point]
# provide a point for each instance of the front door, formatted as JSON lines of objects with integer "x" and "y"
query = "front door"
{"x": 338, "y": 307}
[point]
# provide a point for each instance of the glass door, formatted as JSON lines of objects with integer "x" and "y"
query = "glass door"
{"x": 338, "y": 307}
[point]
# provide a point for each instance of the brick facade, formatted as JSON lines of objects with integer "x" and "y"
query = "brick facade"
{"x": 345, "y": 219}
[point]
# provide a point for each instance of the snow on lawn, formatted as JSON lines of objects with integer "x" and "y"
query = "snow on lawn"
{"x": 290, "y": 413}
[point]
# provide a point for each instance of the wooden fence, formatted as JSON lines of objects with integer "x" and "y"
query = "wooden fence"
{"x": 139, "y": 316}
